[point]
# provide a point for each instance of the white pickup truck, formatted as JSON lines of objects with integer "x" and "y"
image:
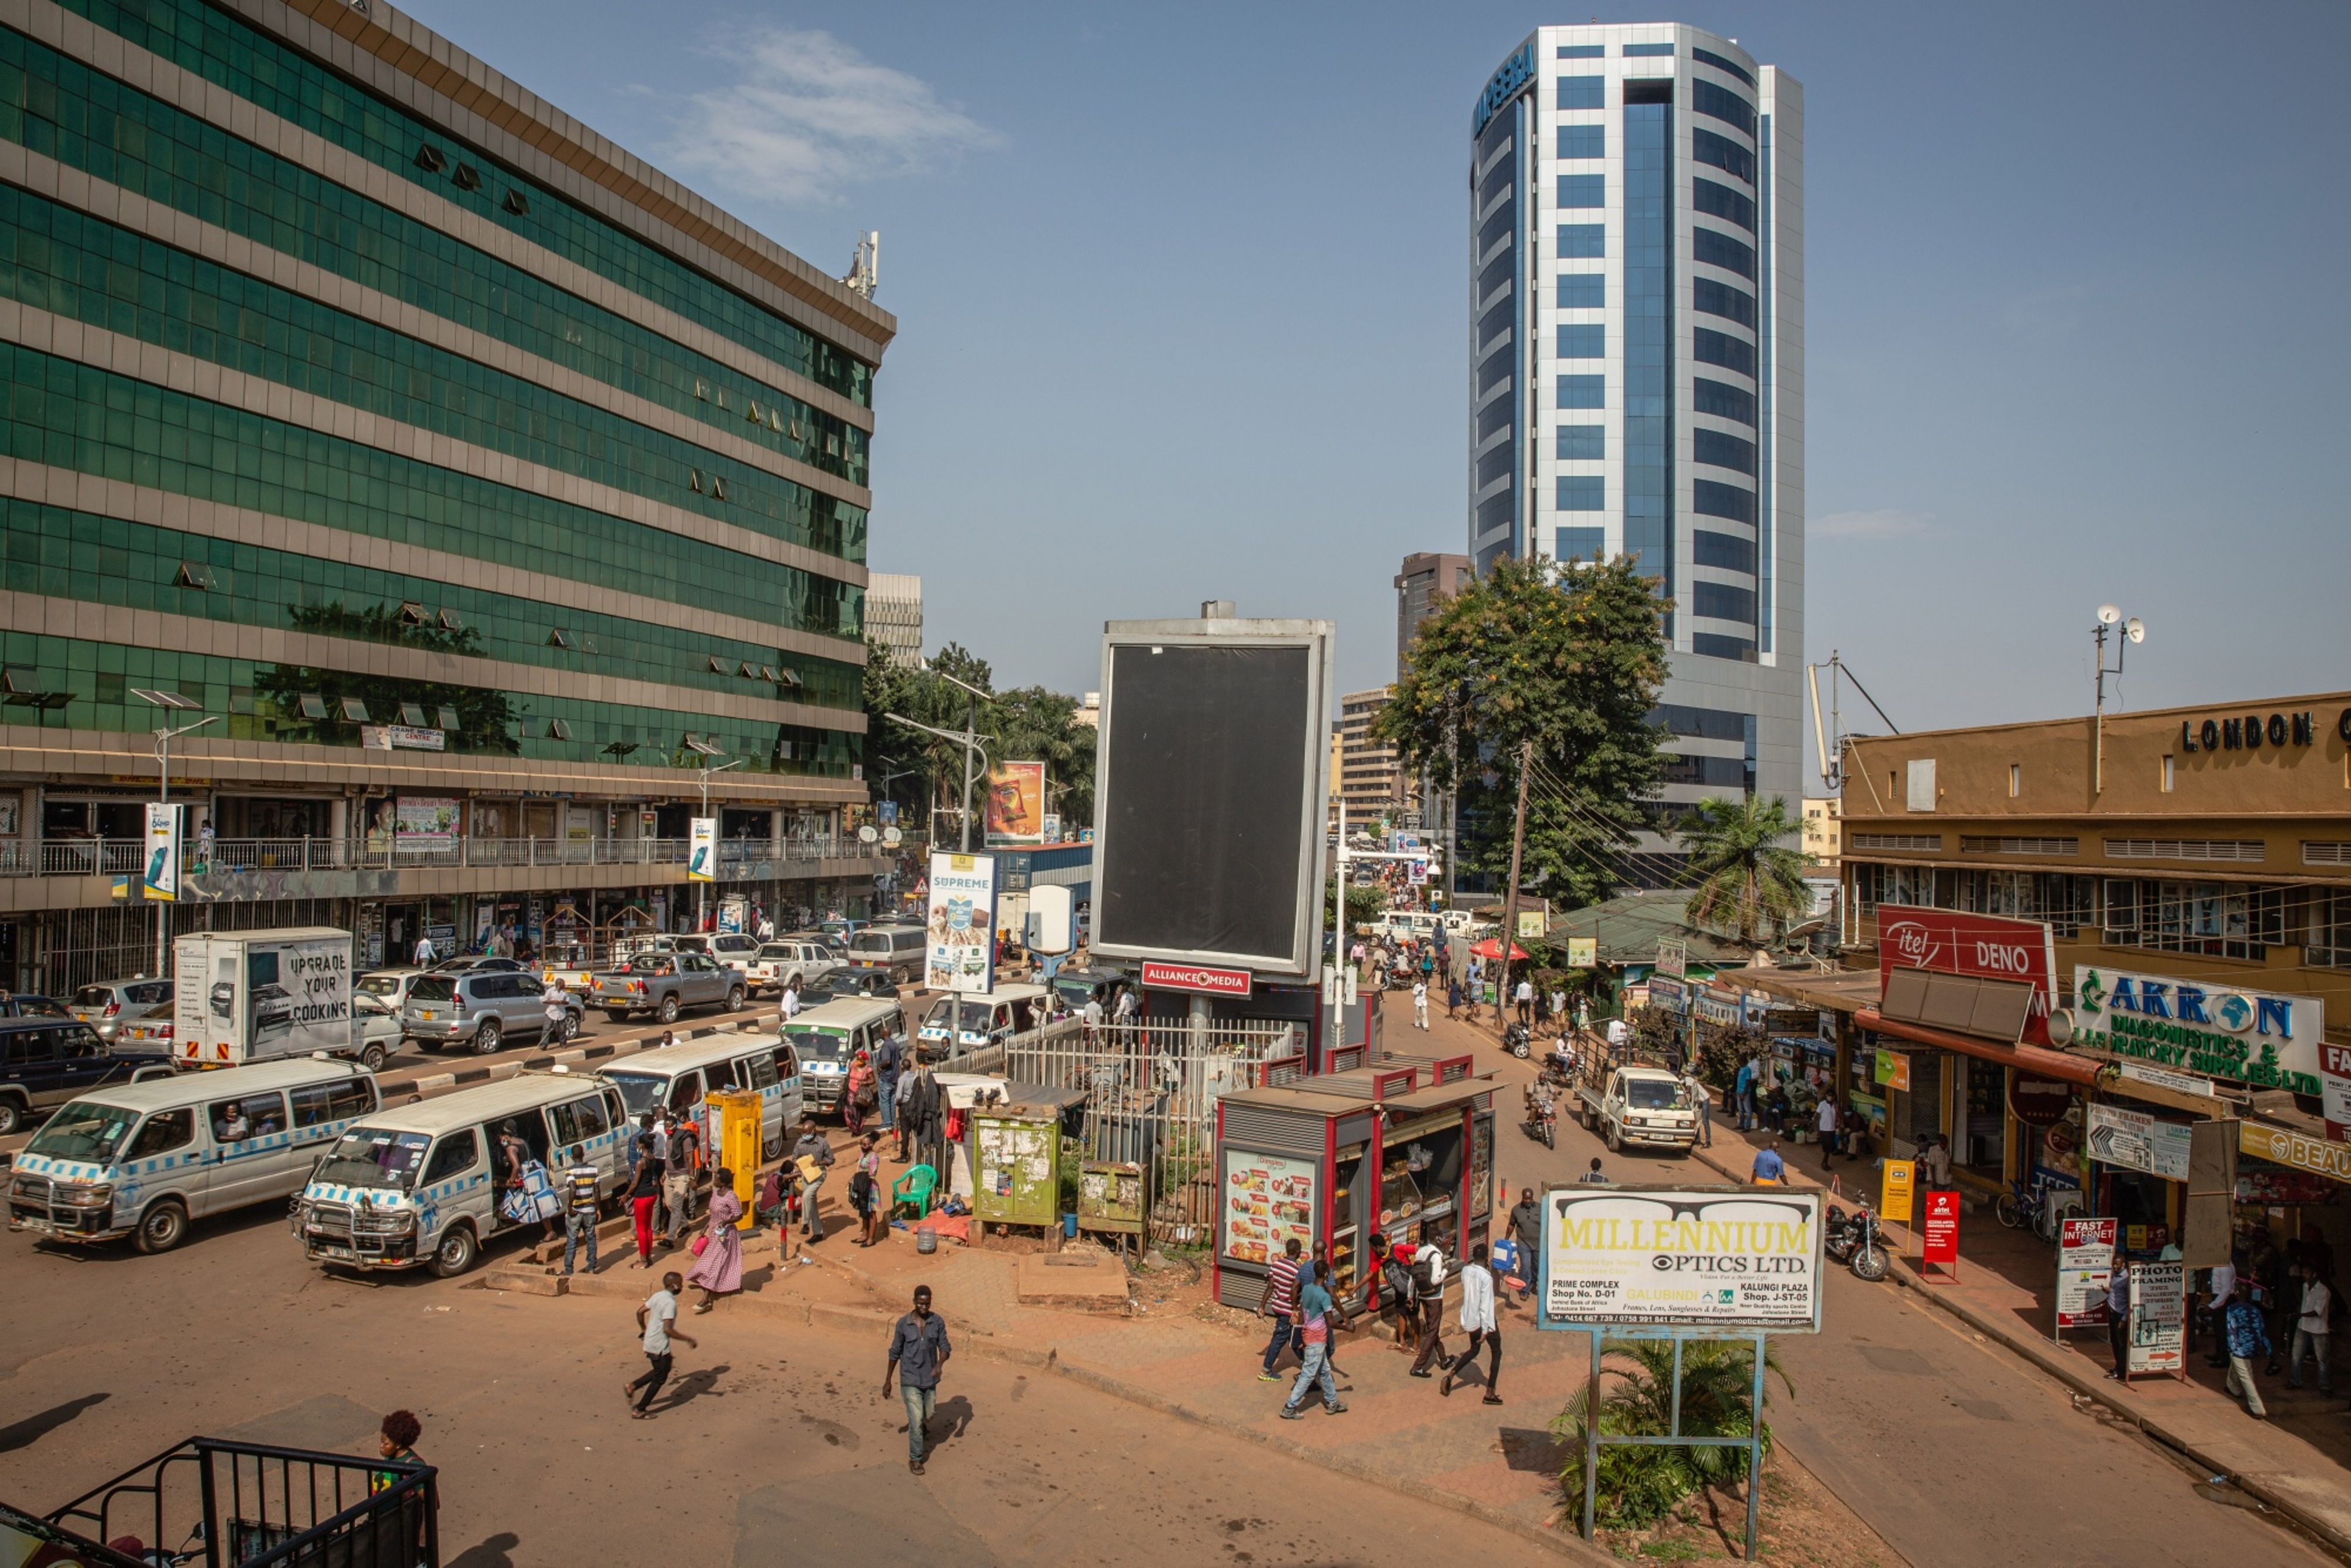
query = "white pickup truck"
{"x": 1633, "y": 1104}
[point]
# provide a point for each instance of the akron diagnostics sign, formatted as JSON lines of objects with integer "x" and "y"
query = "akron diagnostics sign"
{"x": 2257, "y": 1038}
{"x": 1707, "y": 1258}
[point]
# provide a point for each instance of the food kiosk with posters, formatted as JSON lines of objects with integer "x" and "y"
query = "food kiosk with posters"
{"x": 1404, "y": 1146}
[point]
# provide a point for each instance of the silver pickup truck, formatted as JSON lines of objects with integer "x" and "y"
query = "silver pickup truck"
{"x": 665, "y": 985}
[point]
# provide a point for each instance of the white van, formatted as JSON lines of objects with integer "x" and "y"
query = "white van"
{"x": 678, "y": 1077}
{"x": 963, "y": 1022}
{"x": 419, "y": 1183}
{"x": 823, "y": 1040}
{"x": 143, "y": 1159}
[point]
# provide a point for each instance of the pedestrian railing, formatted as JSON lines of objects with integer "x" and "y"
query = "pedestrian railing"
{"x": 120, "y": 857}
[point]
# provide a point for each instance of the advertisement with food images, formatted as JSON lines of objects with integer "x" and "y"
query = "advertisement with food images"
{"x": 1267, "y": 1199}
{"x": 1682, "y": 1257}
{"x": 960, "y": 927}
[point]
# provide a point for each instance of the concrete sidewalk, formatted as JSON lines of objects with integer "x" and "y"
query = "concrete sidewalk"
{"x": 2294, "y": 1462}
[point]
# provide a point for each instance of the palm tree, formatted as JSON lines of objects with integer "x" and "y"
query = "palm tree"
{"x": 1640, "y": 1485}
{"x": 1744, "y": 871}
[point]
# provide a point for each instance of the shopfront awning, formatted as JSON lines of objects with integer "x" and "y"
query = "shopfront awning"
{"x": 2028, "y": 1058}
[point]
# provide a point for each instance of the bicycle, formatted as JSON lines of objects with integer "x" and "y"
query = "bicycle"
{"x": 2027, "y": 1208}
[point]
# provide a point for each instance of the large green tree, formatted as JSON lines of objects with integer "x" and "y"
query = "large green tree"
{"x": 919, "y": 771}
{"x": 1569, "y": 658}
{"x": 1743, "y": 868}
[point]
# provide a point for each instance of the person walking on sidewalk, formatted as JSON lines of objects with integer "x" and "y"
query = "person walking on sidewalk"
{"x": 812, "y": 1153}
{"x": 579, "y": 1203}
{"x": 1478, "y": 1321}
{"x": 1429, "y": 1291}
{"x": 866, "y": 1191}
{"x": 1420, "y": 1003}
{"x": 2220, "y": 1288}
{"x": 1525, "y": 996}
{"x": 1526, "y": 1229}
{"x": 1743, "y": 1088}
{"x": 720, "y": 1270}
{"x": 1825, "y": 1121}
{"x": 2119, "y": 1299}
{"x": 1453, "y": 997}
{"x": 1281, "y": 1303}
{"x": 1317, "y": 1316}
{"x": 658, "y": 1319}
{"x": 887, "y": 1065}
{"x": 2243, "y": 1335}
{"x": 645, "y": 1192}
{"x": 1703, "y": 1103}
{"x": 2311, "y": 1332}
{"x": 918, "y": 1353}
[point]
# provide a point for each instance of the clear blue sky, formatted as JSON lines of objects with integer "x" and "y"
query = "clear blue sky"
{"x": 1181, "y": 293}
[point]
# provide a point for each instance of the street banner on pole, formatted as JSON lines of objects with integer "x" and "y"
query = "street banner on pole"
{"x": 702, "y": 857}
{"x": 962, "y": 924}
{"x": 160, "y": 879}
{"x": 2085, "y": 1255}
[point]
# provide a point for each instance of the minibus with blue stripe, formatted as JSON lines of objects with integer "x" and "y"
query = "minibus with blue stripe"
{"x": 679, "y": 1077}
{"x": 145, "y": 1159}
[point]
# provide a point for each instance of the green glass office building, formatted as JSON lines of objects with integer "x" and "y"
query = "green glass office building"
{"x": 482, "y": 484}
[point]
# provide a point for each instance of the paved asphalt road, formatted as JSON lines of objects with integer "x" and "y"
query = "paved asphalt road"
{"x": 1952, "y": 1449}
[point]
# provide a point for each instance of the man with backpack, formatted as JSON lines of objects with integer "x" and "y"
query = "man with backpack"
{"x": 1428, "y": 1294}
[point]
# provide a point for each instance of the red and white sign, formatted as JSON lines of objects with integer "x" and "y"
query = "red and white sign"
{"x": 2085, "y": 1256}
{"x": 1159, "y": 977}
{"x": 1981, "y": 947}
{"x": 1941, "y": 1235}
{"x": 2334, "y": 1088}
{"x": 2038, "y": 1101}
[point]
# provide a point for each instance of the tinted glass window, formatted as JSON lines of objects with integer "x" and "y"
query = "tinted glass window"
{"x": 1582, "y": 52}
{"x": 454, "y": 1156}
{"x": 1718, "y": 500}
{"x": 1583, "y": 443}
{"x": 1717, "y": 250}
{"x": 1582, "y": 340}
{"x": 1716, "y": 298}
{"x": 164, "y": 1130}
{"x": 28, "y": 1047}
{"x": 76, "y": 1041}
{"x": 1582, "y": 92}
{"x": 432, "y": 989}
{"x": 1721, "y": 601}
{"x": 1721, "y": 103}
{"x": 84, "y": 1130}
{"x": 1723, "y": 450}
{"x": 248, "y": 1116}
{"x": 1583, "y": 392}
{"x": 1582, "y": 290}
{"x": 1709, "y": 58}
{"x": 1722, "y": 399}
{"x": 1726, "y": 550}
{"x": 1583, "y": 142}
{"x": 1723, "y": 202}
{"x": 93, "y": 996}
{"x": 1722, "y": 152}
{"x": 763, "y": 1070}
{"x": 1580, "y": 544}
{"x": 1582, "y": 493}
{"x": 1579, "y": 241}
{"x": 1722, "y": 349}
{"x": 1582, "y": 191}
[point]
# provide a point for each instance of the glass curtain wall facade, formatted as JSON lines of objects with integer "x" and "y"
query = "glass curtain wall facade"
{"x": 1637, "y": 354}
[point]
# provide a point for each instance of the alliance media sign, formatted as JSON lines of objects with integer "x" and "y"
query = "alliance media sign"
{"x": 2256, "y": 1037}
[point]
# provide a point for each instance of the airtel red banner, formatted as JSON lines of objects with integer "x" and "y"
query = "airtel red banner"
{"x": 1942, "y": 1235}
{"x": 1981, "y": 947}
{"x": 1158, "y": 977}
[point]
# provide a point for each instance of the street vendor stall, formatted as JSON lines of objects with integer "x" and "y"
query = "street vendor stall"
{"x": 1404, "y": 1146}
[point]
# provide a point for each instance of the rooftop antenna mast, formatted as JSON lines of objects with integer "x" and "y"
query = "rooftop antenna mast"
{"x": 866, "y": 272}
{"x": 1833, "y": 757}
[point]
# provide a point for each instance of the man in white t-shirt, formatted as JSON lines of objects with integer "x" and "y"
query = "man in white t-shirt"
{"x": 1420, "y": 1004}
{"x": 1525, "y": 996}
{"x": 658, "y": 1318}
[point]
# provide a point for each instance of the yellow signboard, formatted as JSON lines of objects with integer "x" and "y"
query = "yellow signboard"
{"x": 1900, "y": 1177}
{"x": 2284, "y": 1147}
{"x": 1582, "y": 952}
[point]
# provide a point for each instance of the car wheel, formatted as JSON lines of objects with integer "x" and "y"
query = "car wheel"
{"x": 735, "y": 999}
{"x": 163, "y": 1226}
{"x": 616, "y": 1015}
{"x": 487, "y": 1037}
{"x": 429, "y": 1047}
{"x": 769, "y": 1148}
{"x": 456, "y": 1252}
{"x": 371, "y": 1057}
{"x": 668, "y": 1013}
{"x": 12, "y": 1114}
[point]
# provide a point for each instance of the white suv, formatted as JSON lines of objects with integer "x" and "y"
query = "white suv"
{"x": 789, "y": 962}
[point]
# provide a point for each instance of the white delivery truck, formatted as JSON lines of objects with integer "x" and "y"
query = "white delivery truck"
{"x": 241, "y": 997}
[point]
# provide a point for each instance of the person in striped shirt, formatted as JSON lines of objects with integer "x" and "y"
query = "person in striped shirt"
{"x": 1281, "y": 1304}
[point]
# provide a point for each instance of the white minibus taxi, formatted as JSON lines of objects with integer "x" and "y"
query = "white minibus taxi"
{"x": 420, "y": 1185}
{"x": 143, "y": 1159}
{"x": 967, "y": 1023}
{"x": 678, "y": 1077}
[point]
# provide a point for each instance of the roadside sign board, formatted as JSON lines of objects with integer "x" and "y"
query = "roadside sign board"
{"x": 1160, "y": 976}
{"x": 1704, "y": 1258}
{"x": 2085, "y": 1253}
{"x": 1901, "y": 1176}
{"x": 1941, "y": 1237}
{"x": 2158, "y": 1318}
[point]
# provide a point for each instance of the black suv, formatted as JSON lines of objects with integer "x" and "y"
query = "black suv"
{"x": 44, "y": 1063}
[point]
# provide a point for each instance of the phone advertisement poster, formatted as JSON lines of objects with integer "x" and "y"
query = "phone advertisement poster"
{"x": 161, "y": 877}
{"x": 702, "y": 856}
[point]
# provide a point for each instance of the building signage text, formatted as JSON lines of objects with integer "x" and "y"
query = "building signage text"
{"x": 2251, "y": 732}
{"x": 2246, "y": 1037}
{"x": 1505, "y": 85}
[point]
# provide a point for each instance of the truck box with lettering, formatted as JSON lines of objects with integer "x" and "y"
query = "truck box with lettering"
{"x": 260, "y": 996}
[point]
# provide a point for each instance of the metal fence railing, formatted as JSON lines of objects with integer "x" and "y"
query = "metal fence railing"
{"x": 120, "y": 857}
{"x": 1151, "y": 1090}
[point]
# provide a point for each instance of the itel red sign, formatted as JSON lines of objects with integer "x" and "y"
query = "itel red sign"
{"x": 1981, "y": 947}
{"x": 1158, "y": 977}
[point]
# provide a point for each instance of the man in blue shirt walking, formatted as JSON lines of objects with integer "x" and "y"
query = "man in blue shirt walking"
{"x": 918, "y": 1352}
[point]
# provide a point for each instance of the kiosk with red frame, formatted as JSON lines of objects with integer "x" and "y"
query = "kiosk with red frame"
{"x": 1404, "y": 1146}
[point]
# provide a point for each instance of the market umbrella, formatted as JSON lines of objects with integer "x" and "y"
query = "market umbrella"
{"x": 1490, "y": 948}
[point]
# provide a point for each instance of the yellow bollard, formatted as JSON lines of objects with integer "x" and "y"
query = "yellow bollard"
{"x": 735, "y": 1120}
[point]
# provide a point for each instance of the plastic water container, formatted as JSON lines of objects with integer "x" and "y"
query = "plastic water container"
{"x": 1070, "y": 1226}
{"x": 926, "y": 1239}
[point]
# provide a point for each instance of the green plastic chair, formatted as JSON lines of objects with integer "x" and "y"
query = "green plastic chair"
{"x": 914, "y": 1187}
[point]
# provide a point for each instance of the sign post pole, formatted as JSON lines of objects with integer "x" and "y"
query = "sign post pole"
{"x": 1754, "y": 1443}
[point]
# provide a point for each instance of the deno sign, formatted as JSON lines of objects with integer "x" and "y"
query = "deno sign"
{"x": 1984, "y": 947}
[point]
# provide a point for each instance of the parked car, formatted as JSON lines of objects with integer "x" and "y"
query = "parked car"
{"x": 46, "y": 1061}
{"x": 375, "y": 1029}
{"x": 477, "y": 964}
{"x": 734, "y": 948}
{"x": 480, "y": 1011}
{"x": 112, "y": 1005}
{"x": 789, "y": 961}
{"x": 900, "y": 949}
{"x": 25, "y": 1005}
{"x": 851, "y": 985}
{"x": 666, "y": 984}
{"x": 390, "y": 986}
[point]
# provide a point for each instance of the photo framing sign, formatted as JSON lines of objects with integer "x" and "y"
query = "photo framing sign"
{"x": 1721, "y": 1258}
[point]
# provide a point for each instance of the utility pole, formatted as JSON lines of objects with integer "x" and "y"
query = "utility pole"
{"x": 170, "y": 702}
{"x": 1510, "y": 894}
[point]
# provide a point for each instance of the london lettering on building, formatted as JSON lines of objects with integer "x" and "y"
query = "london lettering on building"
{"x": 2251, "y": 731}
{"x": 2255, "y": 1038}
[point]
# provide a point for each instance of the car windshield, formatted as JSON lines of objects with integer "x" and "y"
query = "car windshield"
{"x": 93, "y": 996}
{"x": 821, "y": 1044}
{"x": 84, "y": 1130}
{"x": 976, "y": 1018}
{"x": 379, "y": 984}
{"x": 874, "y": 942}
{"x": 640, "y": 1092}
{"x": 1650, "y": 1095}
{"x": 370, "y": 1158}
{"x": 432, "y": 989}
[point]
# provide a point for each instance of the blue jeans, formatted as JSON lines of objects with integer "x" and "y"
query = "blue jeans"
{"x": 2307, "y": 1344}
{"x": 885, "y": 1092}
{"x": 1285, "y": 1333}
{"x": 1746, "y": 1110}
{"x": 1317, "y": 1371}
{"x": 576, "y": 1229}
{"x": 1705, "y": 1119}
{"x": 920, "y": 1403}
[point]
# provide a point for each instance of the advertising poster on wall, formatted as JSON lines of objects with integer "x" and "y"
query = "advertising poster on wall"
{"x": 2085, "y": 1254}
{"x": 162, "y": 875}
{"x": 2263, "y": 1038}
{"x": 2159, "y": 1317}
{"x": 1267, "y": 1200}
{"x": 702, "y": 850}
{"x": 426, "y": 821}
{"x": 2138, "y": 1141}
{"x": 961, "y": 924}
{"x": 1981, "y": 946}
{"x": 1016, "y": 804}
{"x": 1682, "y": 1257}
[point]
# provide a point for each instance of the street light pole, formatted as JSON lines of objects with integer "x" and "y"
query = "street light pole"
{"x": 170, "y": 702}
{"x": 973, "y": 698}
{"x": 702, "y": 889}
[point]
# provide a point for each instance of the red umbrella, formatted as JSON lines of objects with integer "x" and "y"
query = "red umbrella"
{"x": 1490, "y": 948}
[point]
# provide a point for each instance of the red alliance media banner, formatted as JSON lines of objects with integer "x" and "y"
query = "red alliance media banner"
{"x": 1162, "y": 977}
{"x": 1981, "y": 946}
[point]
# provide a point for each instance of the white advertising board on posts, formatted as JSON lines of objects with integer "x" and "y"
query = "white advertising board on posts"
{"x": 1734, "y": 1258}
{"x": 961, "y": 924}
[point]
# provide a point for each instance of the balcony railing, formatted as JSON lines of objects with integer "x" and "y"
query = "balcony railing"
{"x": 122, "y": 857}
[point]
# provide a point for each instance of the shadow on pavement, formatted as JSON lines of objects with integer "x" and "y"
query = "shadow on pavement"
{"x": 1534, "y": 1452}
{"x": 24, "y": 1434}
{"x": 491, "y": 1553}
{"x": 693, "y": 1385}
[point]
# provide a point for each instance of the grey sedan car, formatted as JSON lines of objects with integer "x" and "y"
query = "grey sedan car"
{"x": 112, "y": 1007}
{"x": 480, "y": 1013}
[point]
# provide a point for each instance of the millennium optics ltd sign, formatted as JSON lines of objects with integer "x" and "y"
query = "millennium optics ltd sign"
{"x": 2255, "y": 1038}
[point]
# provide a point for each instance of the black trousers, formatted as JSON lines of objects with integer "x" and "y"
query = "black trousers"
{"x": 655, "y": 1376}
{"x": 1492, "y": 1340}
{"x": 2118, "y": 1338}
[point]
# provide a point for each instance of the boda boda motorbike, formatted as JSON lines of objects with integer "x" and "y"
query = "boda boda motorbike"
{"x": 1518, "y": 1039}
{"x": 1852, "y": 1240}
{"x": 1542, "y": 1117}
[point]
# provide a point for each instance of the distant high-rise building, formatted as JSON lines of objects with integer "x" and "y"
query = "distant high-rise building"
{"x": 1637, "y": 309}
{"x": 1371, "y": 775}
{"x": 1424, "y": 578}
{"x": 893, "y": 614}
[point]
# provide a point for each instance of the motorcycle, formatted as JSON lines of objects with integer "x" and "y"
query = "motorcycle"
{"x": 1852, "y": 1240}
{"x": 1518, "y": 1040}
{"x": 1542, "y": 1119}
